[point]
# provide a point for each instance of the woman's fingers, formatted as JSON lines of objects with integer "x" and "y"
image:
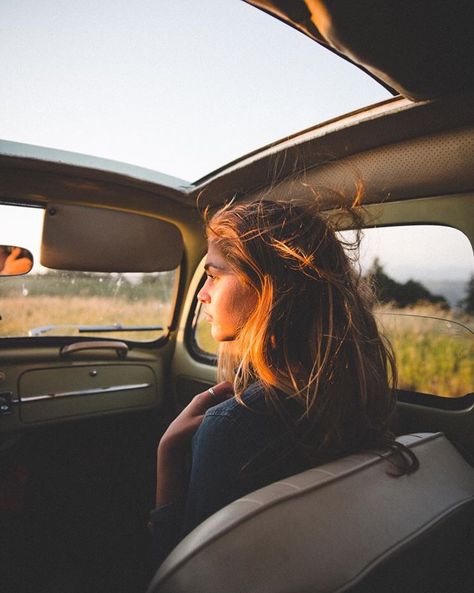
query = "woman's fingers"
{"x": 181, "y": 430}
{"x": 222, "y": 391}
{"x": 213, "y": 396}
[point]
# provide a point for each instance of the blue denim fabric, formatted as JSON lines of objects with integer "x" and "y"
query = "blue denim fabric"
{"x": 237, "y": 449}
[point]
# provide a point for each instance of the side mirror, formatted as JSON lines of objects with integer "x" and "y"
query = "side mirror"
{"x": 15, "y": 261}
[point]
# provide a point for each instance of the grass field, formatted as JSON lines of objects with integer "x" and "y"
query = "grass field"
{"x": 434, "y": 348}
{"x": 20, "y": 316}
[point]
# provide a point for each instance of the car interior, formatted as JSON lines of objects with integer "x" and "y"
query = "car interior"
{"x": 87, "y": 390}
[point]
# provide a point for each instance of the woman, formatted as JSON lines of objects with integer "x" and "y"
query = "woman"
{"x": 305, "y": 375}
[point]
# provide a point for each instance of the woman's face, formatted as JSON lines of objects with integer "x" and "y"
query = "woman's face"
{"x": 228, "y": 301}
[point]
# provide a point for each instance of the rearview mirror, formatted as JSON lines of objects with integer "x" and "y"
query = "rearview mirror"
{"x": 15, "y": 261}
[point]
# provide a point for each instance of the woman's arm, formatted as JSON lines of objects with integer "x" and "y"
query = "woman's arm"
{"x": 174, "y": 444}
{"x": 166, "y": 519}
{"x": 218, "y": 453}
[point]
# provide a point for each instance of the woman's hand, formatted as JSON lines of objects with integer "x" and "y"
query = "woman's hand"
{"x": 174, "y": 443}
{"x": 179, "y": 433}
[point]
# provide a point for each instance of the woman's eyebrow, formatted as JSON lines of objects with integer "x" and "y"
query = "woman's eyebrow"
{"x": 215, "y": 266}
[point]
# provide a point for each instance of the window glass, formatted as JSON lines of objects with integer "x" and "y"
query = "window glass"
{"x": 423, "y": 279}
{"x": 67, "y": 303}
{"x": 424, "y": 282}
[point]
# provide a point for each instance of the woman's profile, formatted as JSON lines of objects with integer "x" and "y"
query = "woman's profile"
{"x": 305, "y": 376}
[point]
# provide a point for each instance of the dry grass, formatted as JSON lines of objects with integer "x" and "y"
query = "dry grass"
{"x": 434, "y": 348}
{"x": 19, "y": 316}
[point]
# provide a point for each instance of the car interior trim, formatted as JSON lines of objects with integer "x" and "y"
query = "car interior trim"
{"x": 463, "y": 403}
{"x": 95, "y": 391}
{"x": 120, "y": 347}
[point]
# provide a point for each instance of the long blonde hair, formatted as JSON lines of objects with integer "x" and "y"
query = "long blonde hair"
{"x": 312, "y": 336}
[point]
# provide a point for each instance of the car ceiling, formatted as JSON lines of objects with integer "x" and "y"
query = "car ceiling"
{"x": 421, "y": 49}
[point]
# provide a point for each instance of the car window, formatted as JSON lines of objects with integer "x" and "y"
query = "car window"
{"x": 422, "y": 276}
{"x": 424, "y": 282}
{"x": 45, "y": 302}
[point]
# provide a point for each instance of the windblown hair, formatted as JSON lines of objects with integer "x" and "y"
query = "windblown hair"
{"x": 312, "y": 336}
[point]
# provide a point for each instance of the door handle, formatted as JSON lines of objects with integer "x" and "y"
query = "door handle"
{"x": 120, "y": 347}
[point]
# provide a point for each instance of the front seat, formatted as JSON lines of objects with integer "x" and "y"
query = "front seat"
{"x": 347, "y": 526}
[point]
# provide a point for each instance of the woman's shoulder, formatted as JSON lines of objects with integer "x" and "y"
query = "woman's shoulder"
{"x": 233, "y": 420}
{"x": 252, "y": 401}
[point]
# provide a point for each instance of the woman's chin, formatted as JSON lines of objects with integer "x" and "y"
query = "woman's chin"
{"x": 221, "y": 336}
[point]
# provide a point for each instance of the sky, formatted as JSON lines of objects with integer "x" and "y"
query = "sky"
{"x": 181, "y": 87}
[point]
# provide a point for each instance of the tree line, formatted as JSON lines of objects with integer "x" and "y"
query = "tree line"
{"x": 411, "y": 292}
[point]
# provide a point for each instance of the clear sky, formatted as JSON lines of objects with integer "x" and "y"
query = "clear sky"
{"x": 178, "y": 86}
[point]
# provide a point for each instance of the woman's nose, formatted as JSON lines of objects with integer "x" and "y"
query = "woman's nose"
{"x": 203, "y": 295}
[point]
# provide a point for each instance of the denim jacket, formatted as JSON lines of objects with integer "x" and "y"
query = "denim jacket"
{"x": 237, "y": 449}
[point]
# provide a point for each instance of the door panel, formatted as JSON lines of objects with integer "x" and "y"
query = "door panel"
{"x": 47, "y": 394}
{"x": 41, "y": 386}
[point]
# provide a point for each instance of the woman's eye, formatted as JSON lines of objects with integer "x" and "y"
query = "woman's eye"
{"x": 211, "y": 276}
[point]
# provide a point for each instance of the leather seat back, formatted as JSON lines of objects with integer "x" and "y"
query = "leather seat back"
{"x": 344, "y": 526}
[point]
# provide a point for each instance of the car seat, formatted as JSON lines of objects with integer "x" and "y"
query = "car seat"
{"x": 346, "y": 526}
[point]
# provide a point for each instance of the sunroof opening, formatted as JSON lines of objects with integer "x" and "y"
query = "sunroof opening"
{"x": 179, "y": 87}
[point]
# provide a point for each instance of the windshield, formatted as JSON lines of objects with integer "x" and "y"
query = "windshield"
{"x": 179, "y": 87}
